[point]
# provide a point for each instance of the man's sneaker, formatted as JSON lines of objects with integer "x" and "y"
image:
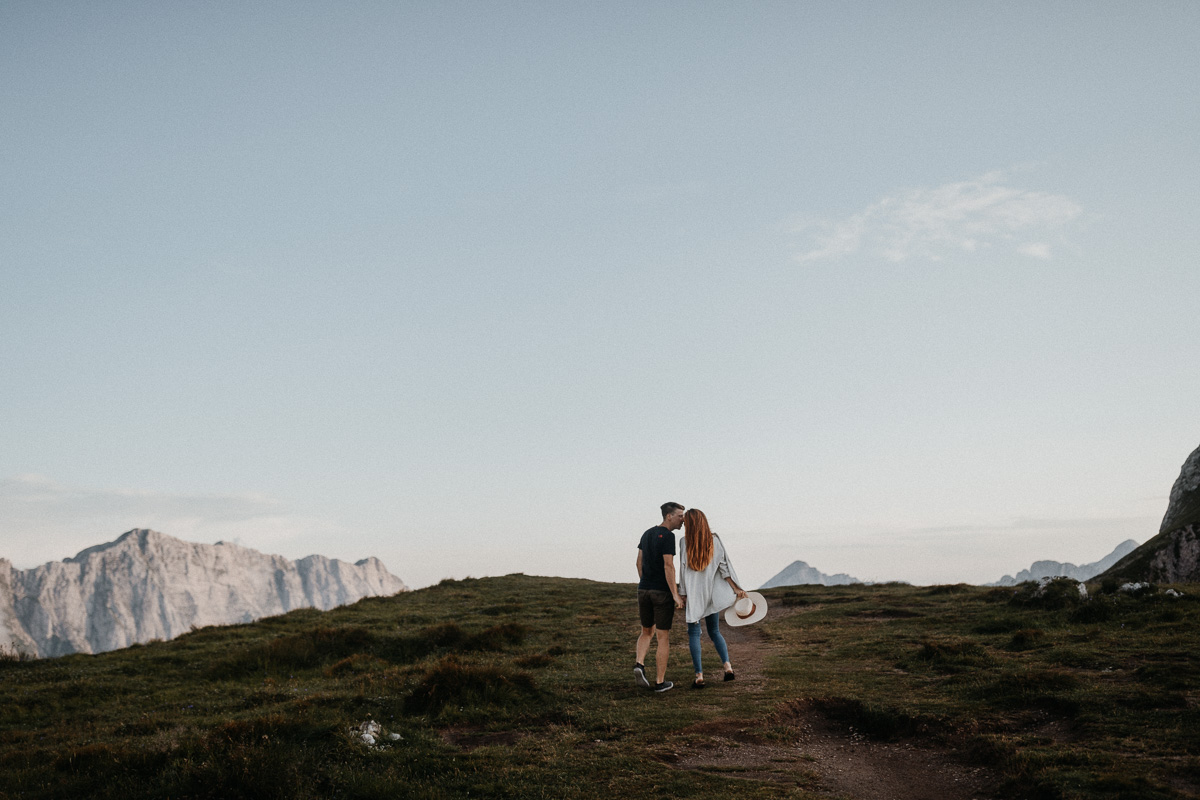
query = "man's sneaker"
{"x": 664, "y": 686}
{"x": 639, "y": 674}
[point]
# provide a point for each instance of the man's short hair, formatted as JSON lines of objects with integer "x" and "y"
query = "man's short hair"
{"x": 667, "y": 508}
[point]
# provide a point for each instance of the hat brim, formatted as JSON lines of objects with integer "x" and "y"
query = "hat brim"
{"x": 760, "y": 611}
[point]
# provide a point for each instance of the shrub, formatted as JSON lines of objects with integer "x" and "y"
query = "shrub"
{"x": 359, "y": 662}
{"x": 14, "y": 655}
{"x": 1001, "y": 625}
{"x": 297, "y": 651}
{"x": 534, "y": 661}
{"x": 953, "y": 654}
{"x": 496, "y": 638}
{"x": 1026, "y": 639}
{"x": 1050, "y": 595}
{"x": 452, "y": 637}
{"x": 1000, "y": 594}
{"x": 1098, "y": 610}
{"x": 448, "y": 634}
{"x": 503, "y": 609}
{"x": 451, "y": 682}
{"x": 953, "y": 588}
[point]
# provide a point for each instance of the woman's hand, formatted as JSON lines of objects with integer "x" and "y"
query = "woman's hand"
{"x": 741, "y": 594}
{"x": 680, "y": 600}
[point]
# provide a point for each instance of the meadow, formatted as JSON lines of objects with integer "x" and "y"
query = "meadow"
{"x": 520, "y": 687}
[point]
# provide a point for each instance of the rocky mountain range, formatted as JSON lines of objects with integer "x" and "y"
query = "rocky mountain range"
{"x": 147, "y": 585}
{"x": 798, "y": 573}
{"x": 1055, "y": 569}
{"x": 1173, "y": 556}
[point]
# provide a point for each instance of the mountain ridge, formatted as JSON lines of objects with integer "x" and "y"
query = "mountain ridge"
{"x": 1055, "y": 569}
{"x": 148, "y": 585}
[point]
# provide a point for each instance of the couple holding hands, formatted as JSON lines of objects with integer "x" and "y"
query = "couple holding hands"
{"x": 707, "y": 585}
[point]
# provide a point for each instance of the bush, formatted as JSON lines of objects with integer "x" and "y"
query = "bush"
{"x": 534, "y": 661}
{"x": 953, "y": 655}
{"x": 953, "y": 588}
{"x": 450, "y": 682}
{"x": 452, "y": 637}
{"x": 1000, "y": 594}
{"x": 1098, "y": 610}
{"x": 14, "y": 655}
{"x": 1001, "y": 625}
{"x": 1050, "y": 595}
{"x": 1026, "y": 639}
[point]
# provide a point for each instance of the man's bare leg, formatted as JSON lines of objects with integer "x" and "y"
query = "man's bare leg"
{"x": 643, "y": 644}
{"x": 660, "y": 655}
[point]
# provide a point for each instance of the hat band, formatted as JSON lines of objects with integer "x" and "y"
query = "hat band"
{"x": 753, "y": 608}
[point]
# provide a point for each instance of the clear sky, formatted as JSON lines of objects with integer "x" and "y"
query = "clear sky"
{"x": 901, "y": 289}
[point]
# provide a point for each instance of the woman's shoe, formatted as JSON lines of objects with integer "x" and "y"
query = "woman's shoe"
{"x": 697, "y": 684}
{"x": 729, "y": 675}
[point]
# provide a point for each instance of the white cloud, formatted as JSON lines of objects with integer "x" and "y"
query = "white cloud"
{"x": 932, "y": 223}
{"x": 1035, "y": 250}
{"x": 44, "y": 520}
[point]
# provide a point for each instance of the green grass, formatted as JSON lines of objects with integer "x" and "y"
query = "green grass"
{"x": 521, "y": 687}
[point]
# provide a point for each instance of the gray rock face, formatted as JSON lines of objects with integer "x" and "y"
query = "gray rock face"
{"x": 798, "y": 573}
{"x": 1178, "y": 560}
{"x": 1184, "y": 506}
{"x": 147, "y": 585}
{"x": 1173, "y": 556}
{"x": 1058, "y": 569}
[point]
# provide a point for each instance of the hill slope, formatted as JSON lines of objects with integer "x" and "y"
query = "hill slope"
{"x": 521, "y": 687}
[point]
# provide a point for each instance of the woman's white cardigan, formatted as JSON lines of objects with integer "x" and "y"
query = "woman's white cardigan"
{"x": 706, "y": 590}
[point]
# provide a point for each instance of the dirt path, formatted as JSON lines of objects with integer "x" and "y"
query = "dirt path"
{"x": 817, "y": 754}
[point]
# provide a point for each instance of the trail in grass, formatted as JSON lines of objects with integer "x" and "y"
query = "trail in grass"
{"x": 819, "y": 755}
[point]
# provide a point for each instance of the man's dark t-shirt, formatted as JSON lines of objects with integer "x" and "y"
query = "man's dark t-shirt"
{"x": 656, "y": 542}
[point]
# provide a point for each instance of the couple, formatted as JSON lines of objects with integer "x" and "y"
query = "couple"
{"x": 707, "y": 584}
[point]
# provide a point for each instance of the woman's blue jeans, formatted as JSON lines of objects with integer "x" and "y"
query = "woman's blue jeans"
{"x": 713, "y": 623}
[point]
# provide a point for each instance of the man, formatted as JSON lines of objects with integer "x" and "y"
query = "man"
{"x": 657, "y": 596}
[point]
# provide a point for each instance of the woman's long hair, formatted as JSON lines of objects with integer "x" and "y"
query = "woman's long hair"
{"x": 699, "y": 539}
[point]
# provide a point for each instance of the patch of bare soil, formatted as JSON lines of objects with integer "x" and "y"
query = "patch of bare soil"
{"x": 809, "y": 750}
{"x": 826, "y": 757}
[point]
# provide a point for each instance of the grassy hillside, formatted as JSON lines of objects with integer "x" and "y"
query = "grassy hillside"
{"x": 521, "y": 687}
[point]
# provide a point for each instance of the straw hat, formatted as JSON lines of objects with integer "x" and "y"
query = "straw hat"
{"x": 746, "y": 611}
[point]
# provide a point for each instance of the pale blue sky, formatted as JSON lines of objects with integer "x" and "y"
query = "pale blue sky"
{"x": 905, "y": 290}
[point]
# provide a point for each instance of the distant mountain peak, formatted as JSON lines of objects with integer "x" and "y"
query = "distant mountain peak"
{"x": 148, "y": 585}
{"x": 799, "y": 573}
{"x": 1056, "y": 569}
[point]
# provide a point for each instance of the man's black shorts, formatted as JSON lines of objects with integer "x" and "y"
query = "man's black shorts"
{"x": 656, "y": 608}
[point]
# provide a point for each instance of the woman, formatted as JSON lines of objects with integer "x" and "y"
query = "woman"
{"x": 708, "y": 585}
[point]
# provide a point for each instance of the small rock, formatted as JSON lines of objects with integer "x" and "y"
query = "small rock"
{"x": 1134, "y": 587}
{"x": 1173, "y": 593}
{"x": 367, "y": 738}
{"x": 395, "y": 737}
